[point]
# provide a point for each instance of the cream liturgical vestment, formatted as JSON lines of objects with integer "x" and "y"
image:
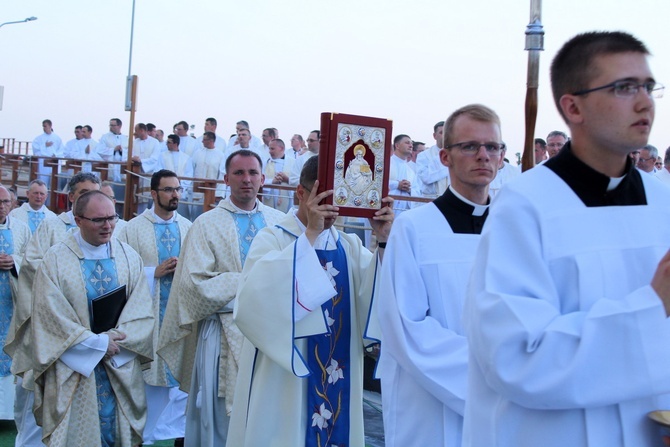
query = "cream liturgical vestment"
{"x": 19, "y": 346}
{"x": 67, "y": 401}
{"x": 568, "y": 341}
{"x": 14, "y": 236}
{"x": 271, "y": 405}
{"x": 31, "y": 217}
{"x": 203, "y": 289}
{"x": 424, "y": 353}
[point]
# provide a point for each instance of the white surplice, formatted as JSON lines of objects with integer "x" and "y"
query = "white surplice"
{"x": 568, "y": 341}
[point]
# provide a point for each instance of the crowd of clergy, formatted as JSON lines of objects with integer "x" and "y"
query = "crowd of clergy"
{"x": 511, "y": 309}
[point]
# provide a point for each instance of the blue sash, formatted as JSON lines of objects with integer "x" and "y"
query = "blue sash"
{"x": 35, "y": 218}
{"x": 168, "y": 243}
{"x": 100, "y": 277}
{"x": 6, "y": 304}
{"x": 247, "y": 225}
{"x": 328, "y": 357}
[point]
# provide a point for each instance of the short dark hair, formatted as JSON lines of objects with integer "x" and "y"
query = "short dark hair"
{"x": 81, "y": 203}
{"x": 87, "y": 127}
{"x": 271, "y": 132}
{"x": 142, "y": 126}
{"x": 244, "y": 123}
{"x": 81, "y": 177}
{"x": 397, "y": 139}
{"x": 182, "y": 123}
{"x": 280, "y": 142}
{"x": 210, "y": 135}
{"x": 541, "y": 142}
{"x": 244, "y": 153}
{"x": 174, "y": 138}
{"x": 47, "y": 122}
{"x": 158, "y": 175}
{"x": 416, "y": 144}
{"x": 437, "y": 126}
{"x": 151, "y": 126}
{"x": 310, "y": 172}
{"x": 572, "y": 68}
{"x": 317, "y": 132}
{"x": 118, "y": 121}
{"x": 211, "y": 120}
{"x": 78, "y": 127}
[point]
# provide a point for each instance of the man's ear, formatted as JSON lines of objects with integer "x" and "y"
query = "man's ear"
{"x": 572, "y": 108}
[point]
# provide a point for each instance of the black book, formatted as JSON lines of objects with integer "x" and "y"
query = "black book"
{"x": 106, "y": 309}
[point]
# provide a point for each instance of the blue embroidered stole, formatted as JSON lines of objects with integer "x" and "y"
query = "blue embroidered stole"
{"x": 35, "y": 218}
{"x": 6, "y": 304}
{"x": 100, "y": 277}
{"x": 328, "y": 357}
{"x": 168, "y": 244}
{"x": 247, "y": 225}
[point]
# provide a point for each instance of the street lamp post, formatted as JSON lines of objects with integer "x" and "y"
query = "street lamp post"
{"x": 27, "y": 19}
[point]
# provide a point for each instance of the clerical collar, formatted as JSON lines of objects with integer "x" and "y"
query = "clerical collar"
{"x": 239, "y": 210}
{"x": 594, "y": 188}
{"x": 461, "y": 214}
{"x": 478, "y": 210}
{"x": 91, "y": 251}
{"x": 160, "y": 220}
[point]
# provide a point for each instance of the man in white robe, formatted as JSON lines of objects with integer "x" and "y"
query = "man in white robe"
{"x": 85, "y": 150}
{"x": 432, "y": 174}
{"x": 19, "y": 342}
{"x": 14, "y": 236}
{"x": 72, "y": 146}
{"x": 187, "y": 143}
{"x": 157, "y": 235}
{"x": 181, "y": 164}
{"x": 285, "y": 394}
{"x": 312, "y": 149}
{"x": 664, "y": 173}
{"x": 277, "y": 170}
{"x": 424, "y": 353}
{"x": 402, "y": 180}
{"x": 567, "y": 308}
{"x": 88, "y": 386}
{"x": 34, "y": 211}
{"x": 220, "y": 142}
{"x": 198, "y": 340}
{"x": 112, "y": 147}
{"x": 207, "y": 163}
{"x": 47, "y": 145}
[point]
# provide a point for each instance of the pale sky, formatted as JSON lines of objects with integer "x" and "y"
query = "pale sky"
{"x": 281, "y": 63}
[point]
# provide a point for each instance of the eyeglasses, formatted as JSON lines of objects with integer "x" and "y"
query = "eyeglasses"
{"x": 555, "y": 144}
{"x": 647, "y": 159}
{"x": 170, "y": 190}
{"x": 5, "y": 202}
{"x": 312, "y": 140}
{"x": 628, "y": 89}
{"x": 472, "y": 147}
{"x": 100, "y": 221}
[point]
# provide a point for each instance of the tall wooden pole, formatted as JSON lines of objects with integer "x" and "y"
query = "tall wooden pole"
{"x": 534, "y": 44}
{"x": 128, "y": 199}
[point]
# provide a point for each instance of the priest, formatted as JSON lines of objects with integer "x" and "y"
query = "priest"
{"x": 88, "y": 386}
{"x": 304, "y": 304}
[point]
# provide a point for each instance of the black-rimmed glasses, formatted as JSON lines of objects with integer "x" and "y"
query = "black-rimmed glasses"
{"x": 628, "y": 89}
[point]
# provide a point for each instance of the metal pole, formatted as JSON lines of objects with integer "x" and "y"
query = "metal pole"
{"x": 534, "y": 44}
{"x": 132, "y": 32}
{"x": 27, "y": 19}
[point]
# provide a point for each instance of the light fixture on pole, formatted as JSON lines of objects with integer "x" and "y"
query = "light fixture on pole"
{"x": 27, "y": 19}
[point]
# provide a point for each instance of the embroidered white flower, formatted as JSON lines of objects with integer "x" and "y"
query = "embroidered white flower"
{"x": 320, "y": 418}
{"x": 334, "y": 371}
{"x": 329, "y": 320}
{"x": 331, "y": 271}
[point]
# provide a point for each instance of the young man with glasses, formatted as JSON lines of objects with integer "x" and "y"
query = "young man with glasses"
{"x": 424, "y": 352}
{"x": 88, "y": 385}
{"x": 158, "y": 235}
{"x": 566, "y": 319}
